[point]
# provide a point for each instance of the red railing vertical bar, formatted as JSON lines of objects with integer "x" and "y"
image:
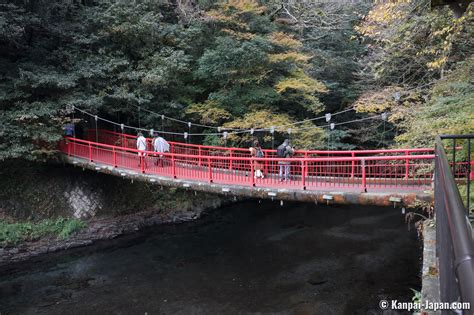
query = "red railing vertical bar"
{"x": 230, "y": 161}
{"x": 353, "y": 164}
{"x": 303, "y": 174}
{"x": 407, "y": 165}
{"x": 90, "y": 152}
{"x": 115, "y": 157}
{"x": 327, "y": 173}
{"x": 200, "y": 159}
{"x": 307, "y": 172}
{"x": 142, "y": 163}
{"x": 265, "y": 165}
{"x": 209, "y": 170}
{"x": 364, "y": 179}
{"x": 173, "y": 165}
{"x": 252, "y": 171}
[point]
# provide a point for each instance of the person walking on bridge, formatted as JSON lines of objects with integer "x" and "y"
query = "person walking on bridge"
{"x": 141, "y": 146}
{"x": 160, "y": 145}
{"x": 256, "y": 151}
{"x": 69, "y": 129}
{"x": 284, "y": 151}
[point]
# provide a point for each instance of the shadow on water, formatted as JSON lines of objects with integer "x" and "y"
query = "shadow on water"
{"x": 246, "y": 258}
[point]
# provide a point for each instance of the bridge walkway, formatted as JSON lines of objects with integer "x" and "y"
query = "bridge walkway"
{"x": 377, "y": 179}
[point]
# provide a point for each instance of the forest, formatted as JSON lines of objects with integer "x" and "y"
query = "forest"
{"x": 236, "y": 64}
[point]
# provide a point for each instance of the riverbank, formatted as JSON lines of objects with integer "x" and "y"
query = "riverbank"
{"x": 34, "y": 194}
{"x": 104, "y": 228}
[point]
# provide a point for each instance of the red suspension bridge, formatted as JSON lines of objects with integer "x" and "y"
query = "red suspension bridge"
{"x": 346, "y": 177}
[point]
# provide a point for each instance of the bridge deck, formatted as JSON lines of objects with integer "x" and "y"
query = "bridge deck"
{"x": 332, "y": 183}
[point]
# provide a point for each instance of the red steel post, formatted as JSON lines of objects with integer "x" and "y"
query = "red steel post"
{"x": 353, "y": 164}
{"x": 303, "y": 174}
{"x": 173, "y": 165}
{"x": 210, "y": 170}
{"x": 115, "y": 157}
{"x": 200, "y": 159}
{"x": 265, "y": 166}
{"x": 252, "y": 170}
{"x": 407, "y": 165}
{"x": 364, "y": 179}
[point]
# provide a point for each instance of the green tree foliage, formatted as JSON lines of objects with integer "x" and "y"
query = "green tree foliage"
{"x": 326, "y": 29}
{"x": 214, "y": 66}
{"x": 30, "y": 79}
{"x": 252, "y": 68}
{"x": 418, "y": 67}
{"x": 304, "y": 137}
{"x": 450, "y": 109}
{"x": 238, "y": 63}
{"x": 326, "y": 32}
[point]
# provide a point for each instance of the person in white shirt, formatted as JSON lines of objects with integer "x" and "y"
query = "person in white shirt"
{"x": 160, "y": 145}
{"x": 141, "y": 146}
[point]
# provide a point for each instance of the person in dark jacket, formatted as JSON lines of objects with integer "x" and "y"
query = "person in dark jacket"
{"x": 285, "y": 151}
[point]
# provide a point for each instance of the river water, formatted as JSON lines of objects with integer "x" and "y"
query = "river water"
{"x": 247, "y": 258}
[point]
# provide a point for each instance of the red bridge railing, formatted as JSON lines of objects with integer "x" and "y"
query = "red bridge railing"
{"x": 235, "y": 166}
{"x": 129, "y": 141}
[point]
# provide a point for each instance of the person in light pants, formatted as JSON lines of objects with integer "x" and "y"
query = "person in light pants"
{"x": 285, "y": 151}
{"x": 160, "y": 145}
{"x": 141, "y": 146}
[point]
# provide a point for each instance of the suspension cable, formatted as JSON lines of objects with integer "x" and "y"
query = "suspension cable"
{"x": 240, "y": 131}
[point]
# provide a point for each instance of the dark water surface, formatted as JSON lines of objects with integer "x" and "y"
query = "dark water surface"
{"x": 245, "y": 258}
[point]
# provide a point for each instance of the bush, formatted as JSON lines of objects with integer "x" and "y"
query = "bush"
{"x": 13, "y": 233}
{"x": 70, "y": 227}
